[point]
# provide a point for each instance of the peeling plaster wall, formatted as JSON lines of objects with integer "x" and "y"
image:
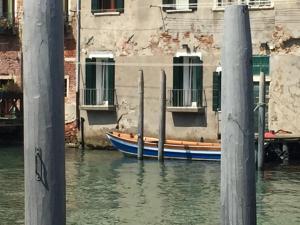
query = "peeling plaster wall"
{"x": 144, "y": 34}
{"x": 284, "y": 105}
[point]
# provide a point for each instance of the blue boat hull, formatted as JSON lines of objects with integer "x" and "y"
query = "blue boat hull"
{"x": 131, "y": 149}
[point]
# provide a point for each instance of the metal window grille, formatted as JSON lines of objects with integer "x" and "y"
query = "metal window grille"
{"x": 180, "y": 4}
{"x": 97, "y": 96}
{"x": 185, "y": 98}
{"x": 251, "y": 3}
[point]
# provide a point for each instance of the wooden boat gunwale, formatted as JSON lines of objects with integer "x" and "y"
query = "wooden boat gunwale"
{"x": 170, "y": 144}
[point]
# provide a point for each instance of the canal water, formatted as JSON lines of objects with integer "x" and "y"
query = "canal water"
{"x": 103, "y": 187}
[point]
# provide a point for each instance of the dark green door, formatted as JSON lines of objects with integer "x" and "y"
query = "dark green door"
{"x": 90, "y": 82}
{"x": 111, "y": 82}
{"x": 177, "y": 81}
{"x": 197, "y": 80}
{"x": 217, "y": 77}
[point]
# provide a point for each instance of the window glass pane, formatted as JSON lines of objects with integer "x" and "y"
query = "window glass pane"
{"x": 107, "y": 5}
{"x": 260, "y": 63}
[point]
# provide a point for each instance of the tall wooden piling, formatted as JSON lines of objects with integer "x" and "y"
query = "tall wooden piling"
{"x": 261, "y": 122}
{"x": 141, "y": 116}
{"x": 238, "y": 204}
{"x": 162, "y": 117}
{"x": 44, "y": 155}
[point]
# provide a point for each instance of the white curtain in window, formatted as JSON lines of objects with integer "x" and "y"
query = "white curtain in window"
{"x": 182, "y": 4}
{"x": 101, "y": 81}
{"x": 100, "y": 73}
{"x": 187, "y": 82}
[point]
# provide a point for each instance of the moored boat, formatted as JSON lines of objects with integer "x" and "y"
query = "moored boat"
{"x": 127, "y": 144}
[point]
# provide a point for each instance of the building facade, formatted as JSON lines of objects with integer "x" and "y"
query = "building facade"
{"x": 183, "y": 38}
{"x": 11, "y": 26}
{"x": 10, "y": 45}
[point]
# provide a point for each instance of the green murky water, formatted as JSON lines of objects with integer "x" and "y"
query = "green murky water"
{"x": 107, "y": 188}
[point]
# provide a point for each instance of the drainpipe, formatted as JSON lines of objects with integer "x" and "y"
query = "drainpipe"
{"x": 78, "y": 63}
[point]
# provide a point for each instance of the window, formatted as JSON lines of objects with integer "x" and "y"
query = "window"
{"x": 251, "y": 3}
{"x": 4, "y": 82}
{"x": 99, "y": 82}
{"x": 187, "y": 82}
{"x": 179, "y": 5}
{"x": 6, "y": 14}
{"x": 260, "y": 63}
{"x": 65, "y": 10}
{"x": 66, "y": 90}
{"x": 106, "y": 6}
{"x": 217, "y": 78}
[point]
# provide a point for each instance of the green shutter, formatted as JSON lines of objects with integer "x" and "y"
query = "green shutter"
{"x": 168, "y": 2}
{"x": 217, "y": 79}
{"x": 95, "y": 6}
{"x": 177, "y": 81}
{"x": 260, "y": 63}
{"x": 90, "y": 81}
{"x": 111, "y": 81}
{"x": 178, "y": 73}
{"x": 120, "y": 6}
{"x": 10, "y": 12}
{"x": 193, "y": 4}
{"x": 197, "y": 80}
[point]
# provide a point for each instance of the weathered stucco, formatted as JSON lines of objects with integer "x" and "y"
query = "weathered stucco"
{"x": 147, "y": 38}
{"x": 284, "y": 102}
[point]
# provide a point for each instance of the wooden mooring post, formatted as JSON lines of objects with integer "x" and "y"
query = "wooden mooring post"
{"x": 82, "y": 143}
{"x": 261, "y": 122}
{"x": 162, "y": 117}
{"x": 44, "y": 153}
{"x": 141, "y": 116}
{"x": 238, "y": 204}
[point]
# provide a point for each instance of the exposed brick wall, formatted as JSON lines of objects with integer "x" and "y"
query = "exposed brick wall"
{"x": 70, "y": 69}
{"x": 70, "y": 132}
{"x": 10, "y": 62}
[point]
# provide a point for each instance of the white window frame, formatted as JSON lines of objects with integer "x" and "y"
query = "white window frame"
{"x": 100, "y": 56}
{"x": 187, "y": 82}
{"x": 179, "y": 7}
{"x": 269, "y": 4}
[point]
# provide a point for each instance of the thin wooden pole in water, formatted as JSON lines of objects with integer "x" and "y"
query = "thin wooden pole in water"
{"x": 261, "y": 122}
{"x": 44, "y": 156}
{"x": 141, "y": 116}
{"x": 162, "y": 118}
{"x": 82, "y": 143}
{"x": 78, "y": 27}
{"x": 238, "y": 205}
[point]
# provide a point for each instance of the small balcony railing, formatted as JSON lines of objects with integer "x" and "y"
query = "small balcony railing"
{"x": 185, "y": 98}
{"x": 97, "y": 97}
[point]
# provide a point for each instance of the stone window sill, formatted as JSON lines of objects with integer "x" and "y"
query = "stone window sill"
{"x": 185, "y": 109}
{"x": 98, "y": 107}
{"x": 107, "y": 14}
{"x": 179, "y": 10}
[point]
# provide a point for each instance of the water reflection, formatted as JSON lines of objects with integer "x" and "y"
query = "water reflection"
{"x": 106, "y": 188}
{"x": 11, "y": 186}
{"x": 278, "y": 195}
